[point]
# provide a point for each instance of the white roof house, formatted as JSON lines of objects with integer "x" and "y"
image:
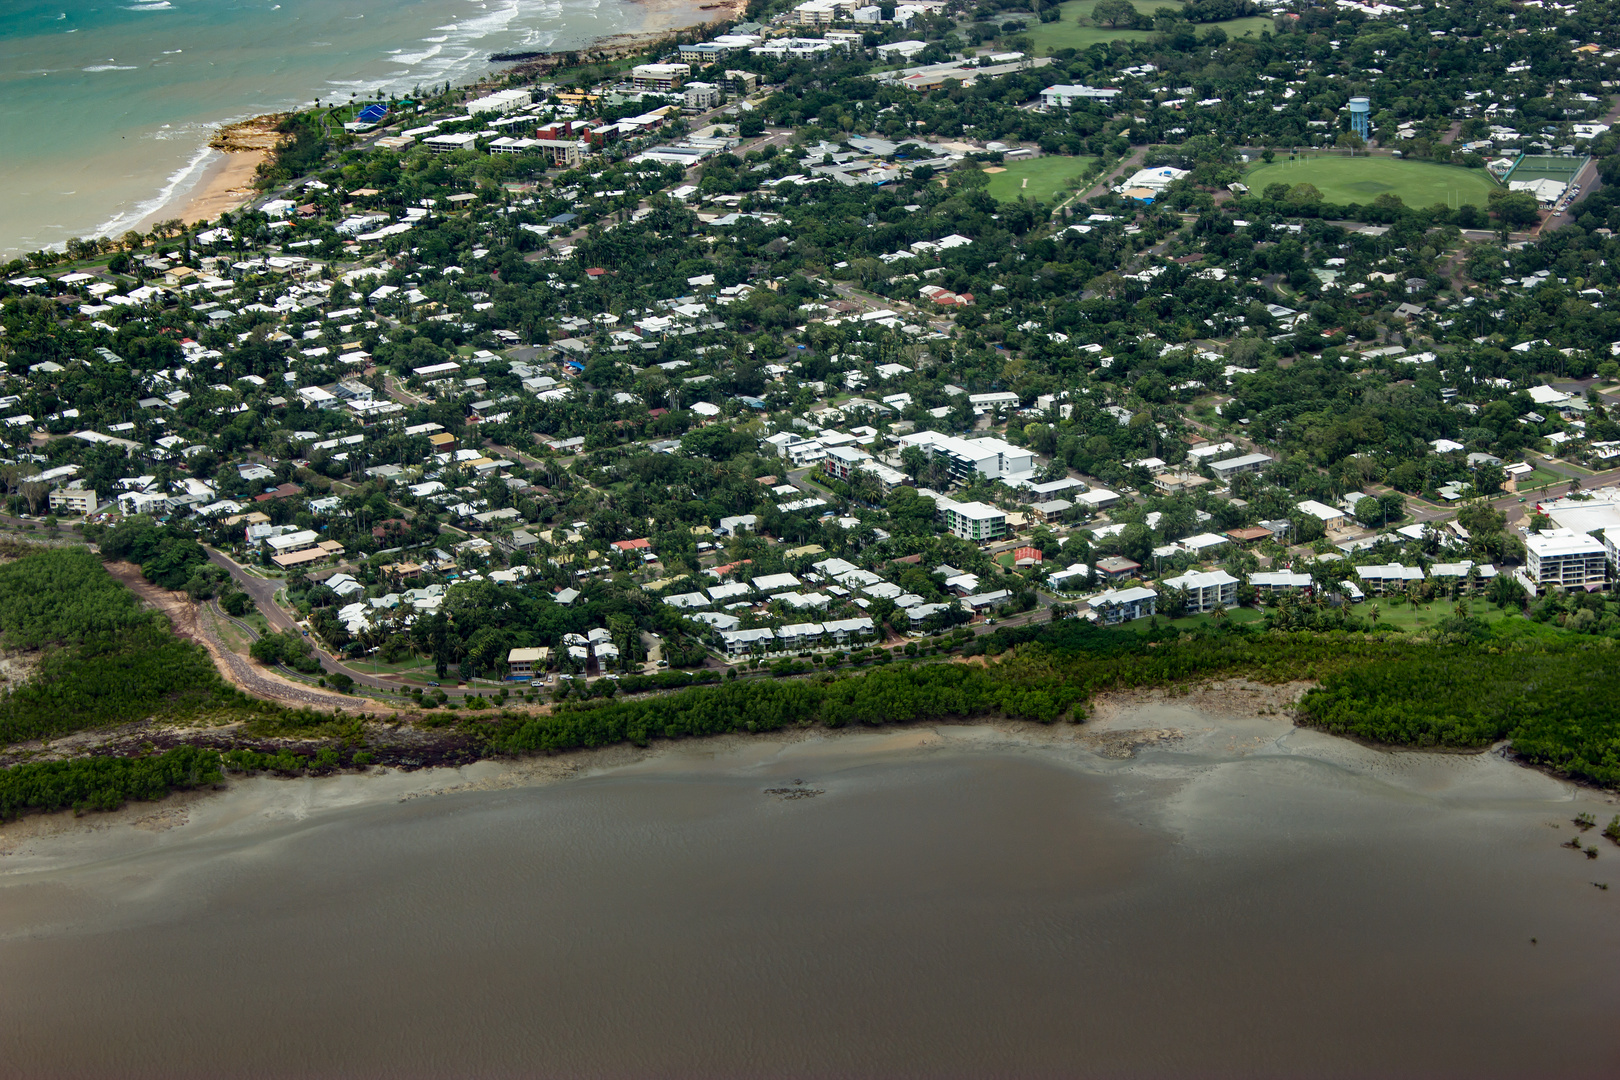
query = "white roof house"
{"x": 775, "y": 583}
{"x": 1321, "y": 511}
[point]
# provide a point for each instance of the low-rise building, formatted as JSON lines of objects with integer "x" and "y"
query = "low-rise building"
{"x": 1467, "y": 573}
{"x": 1117, "y": 568}
{"x": 701, "y": 96}
{"x": 1237, "y": 466}
{"x": 1270, "y": 582}
{"x": 663, "y": 77}
{"x": 526, "y": 663}
{"x": 288, "y": 543}
{"x": 1064, "y": 96}
{"x": 73, "y": 500}
{"x": 323, "y": 550}
{"x": 1050, "y": 511}
{"x": 971, "y": 458}
{"x": 1123, "y": 605}
{"x": 1391, "y": 577}
{"x": 1206, "y": 589}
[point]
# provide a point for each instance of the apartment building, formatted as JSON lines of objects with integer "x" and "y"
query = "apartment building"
{"x": 971, "y": 520}
{"x": 1562, "y": 558}
{"x": 1206, "y": 590}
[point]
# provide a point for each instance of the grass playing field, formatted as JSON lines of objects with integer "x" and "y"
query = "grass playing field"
{"x": 1067, "y": 33}
{"x": 1362, "y": 179}
{"x": 1046, "y": 179}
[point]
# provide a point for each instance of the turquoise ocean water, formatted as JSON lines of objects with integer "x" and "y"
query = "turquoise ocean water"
{"x": 106, "y": 107}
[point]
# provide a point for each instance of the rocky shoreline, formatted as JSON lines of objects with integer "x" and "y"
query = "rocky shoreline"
{"x": 260, "y": 134}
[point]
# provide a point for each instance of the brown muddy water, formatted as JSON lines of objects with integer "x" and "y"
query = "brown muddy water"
{"x": 1247, "y": 901}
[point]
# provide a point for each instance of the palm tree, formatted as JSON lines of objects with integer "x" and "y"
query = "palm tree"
{"x": 1218, "y": 616}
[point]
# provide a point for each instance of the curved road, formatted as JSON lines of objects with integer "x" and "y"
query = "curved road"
{"x": 263, "y": 592}
{"x": 247, "y": 676}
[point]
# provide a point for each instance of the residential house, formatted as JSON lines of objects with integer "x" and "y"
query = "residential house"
{"x": 1117, "y": 568}
{"x": 1246, "y": 536}
{"x": 526, "y": 663}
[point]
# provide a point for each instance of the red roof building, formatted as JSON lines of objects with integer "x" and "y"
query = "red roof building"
{"x": 285, "y": 491}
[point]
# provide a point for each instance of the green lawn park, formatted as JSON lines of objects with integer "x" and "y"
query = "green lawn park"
{"x": 1047, "y": 179}
{"x": 1067, "y": 33}
{"x": 1345, "y": 180}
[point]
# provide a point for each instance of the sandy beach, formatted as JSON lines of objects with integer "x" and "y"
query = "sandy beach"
{"x": 225, "y": 184}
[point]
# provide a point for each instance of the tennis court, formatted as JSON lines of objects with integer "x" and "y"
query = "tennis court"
{"x": 1546, "y": 167}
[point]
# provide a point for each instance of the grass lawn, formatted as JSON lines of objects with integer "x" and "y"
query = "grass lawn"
{"x": 1427, "y": 616}
{"x": 1067, "y": 33}
{"x": 1346, "y": 180}
{"x": 1540, "y": 478}
{"x": 1402, "y": 615}
{"x": 1044, "y": 178}
{"x": 1234, "y": 616}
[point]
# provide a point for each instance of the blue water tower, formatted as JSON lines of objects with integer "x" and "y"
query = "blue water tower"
{"x": 1360, "y": 109}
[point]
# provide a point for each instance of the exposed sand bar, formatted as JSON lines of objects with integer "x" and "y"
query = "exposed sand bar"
{"x": 1185, "y": 886}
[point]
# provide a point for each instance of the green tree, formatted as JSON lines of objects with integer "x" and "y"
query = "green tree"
{"x": 1514, "y": 209}
{"x": 1504, "y": 592}
{"x": 1488, "y": 480}
{"x": 1113, "y": 12}
{"x": 1304, "y": 195}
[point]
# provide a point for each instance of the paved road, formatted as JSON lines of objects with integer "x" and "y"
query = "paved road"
{"x": 1510, "y": 504}
{"x": 263, "y": 592}
{"x": 1131, "y": 163}
{"x": 1587, "y": 178}
{"x": 252, "y": 679}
